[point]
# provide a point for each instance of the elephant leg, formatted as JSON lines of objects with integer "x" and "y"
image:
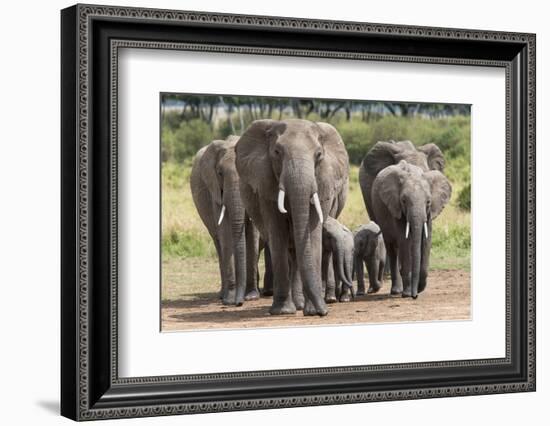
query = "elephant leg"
{"x": 396, "y": 282}
{"x": 268, "y": 275}
{"x": 324, "y": 271}
{"x": 330, "y": 283}
{"x": 282, "y": 294}
{"x": 359, "y": 269}
{"x": 425, "y": 264}
{"x": 296, "y": 283}
{"x": 406, "y": 268}
{"x": 315, "y": 305}
{"x": 222, "y": 274}
{"x": 372, "y": 268}
{"x": 381, "y": 270}
{"x": 230, "y": 284}
{"x": 387, "y": 265}
{"x": 252, "y": 254}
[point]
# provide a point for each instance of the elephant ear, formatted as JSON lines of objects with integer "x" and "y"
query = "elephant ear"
{"x": 380, "y": 156}
{"x": 388, "y": 187}
{"x": 252, "y": 158}
{"x": 208, "y": 171}
{"x": 434, "y": 156}
{"x": 333, "y": 171}
{"x": 441, "y": 191}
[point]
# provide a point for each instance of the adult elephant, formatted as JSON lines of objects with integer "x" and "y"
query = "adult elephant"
{"x": 215, "y": 189}
{"x": 293, "y": 174}
{"x": 405, "y": 200}
{"x": 384, "y": 154}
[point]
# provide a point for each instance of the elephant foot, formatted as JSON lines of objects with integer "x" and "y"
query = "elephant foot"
{"x": 252, "y": 295}
{"x": 374, "y": 289}
{"x": 232, "y": 298}
{"x": 267, "y": 292}
{"x": 299, "y": 303}
{"x": 310, "y": 310}
{"x": 283, "y": 308}
{"x": 396, "y": 291}
{"x": 360, "y": 291}
{"x": 346, "y": 295}
{"x": 345, "y": 298}
{"x": 406, "y": 293}
{"x": 330, "y": 299}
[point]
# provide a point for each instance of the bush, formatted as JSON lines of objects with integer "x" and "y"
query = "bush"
{"x": 451, "y": 135}
{"x": 357, "y": 136}
{"x": 187, "y": 243}
{"x": 463, "y": 199}
{"x": 451, "y": 239}
{"x": 186, "y": 140}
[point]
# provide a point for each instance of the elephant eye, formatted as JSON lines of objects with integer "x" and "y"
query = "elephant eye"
{"x": 318, "y": 156}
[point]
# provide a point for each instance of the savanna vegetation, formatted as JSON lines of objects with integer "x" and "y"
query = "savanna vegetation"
{"x": 190, "y": 122}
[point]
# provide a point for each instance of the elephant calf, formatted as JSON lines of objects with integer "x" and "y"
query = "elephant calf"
{"x": 338, "y": 244}
{"x": 215, "y": 189}
{"x": 369, "y": 250}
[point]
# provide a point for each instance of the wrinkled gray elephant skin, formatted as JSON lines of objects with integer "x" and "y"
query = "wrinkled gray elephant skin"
{"x": 369, "y": 251}
{"x": 405, "y": 200}
{"x": 215, "y": 189}
{"x": 338, "y": 244}
{"x": 293, "y": 174}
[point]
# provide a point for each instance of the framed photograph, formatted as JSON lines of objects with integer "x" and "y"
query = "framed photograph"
{"x": 263, "y": 212}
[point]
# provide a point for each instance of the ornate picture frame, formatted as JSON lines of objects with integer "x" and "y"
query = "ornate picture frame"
{"x": 90, "y": 38}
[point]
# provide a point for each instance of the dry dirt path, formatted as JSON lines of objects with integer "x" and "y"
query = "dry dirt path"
{"x": 447, "y": 297}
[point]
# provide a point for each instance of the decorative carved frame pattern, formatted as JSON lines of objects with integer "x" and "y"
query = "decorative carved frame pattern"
{"x": 85, "y": 13}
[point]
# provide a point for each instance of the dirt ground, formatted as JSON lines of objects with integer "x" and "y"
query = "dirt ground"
{"x": 447, "y": 297}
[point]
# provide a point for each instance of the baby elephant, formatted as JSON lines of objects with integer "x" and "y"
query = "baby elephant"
{"x": 338, "y": 244}
{"x": 369, "y": 249}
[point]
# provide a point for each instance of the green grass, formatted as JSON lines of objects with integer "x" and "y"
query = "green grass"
{"x": 184, "y": 236}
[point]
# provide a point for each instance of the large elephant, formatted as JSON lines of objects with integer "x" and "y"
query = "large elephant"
{"x": 406, "y": 199}
{"x": 293, "y": 174}
{"x": 384, "y": 154}
{"x": 215, "y": 189}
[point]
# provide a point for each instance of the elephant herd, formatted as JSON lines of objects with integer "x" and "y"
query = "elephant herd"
{"x": 280, "y": 188}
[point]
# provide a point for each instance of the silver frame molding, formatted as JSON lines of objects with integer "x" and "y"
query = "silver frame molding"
{"x": 92, "y": 377}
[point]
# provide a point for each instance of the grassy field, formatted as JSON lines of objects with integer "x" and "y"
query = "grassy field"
{"x": 189, "y": 254}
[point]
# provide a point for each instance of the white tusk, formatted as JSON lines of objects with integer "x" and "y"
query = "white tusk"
{"x": 317, "y": 204}
{"x": 281, "y": 201}
{"x": 221, "y": 215}
{"x": 426, "y": 229}
{"x": 407, "y": 230}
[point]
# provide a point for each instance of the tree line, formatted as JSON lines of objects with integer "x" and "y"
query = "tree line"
{"x": 238, "y": 110}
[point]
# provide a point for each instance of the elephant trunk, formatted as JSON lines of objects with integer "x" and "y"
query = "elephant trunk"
{"x": 343, "y": 266}
{"x": 237, "y": 223}
{"x": 298, "y": 181}
{"x": 426, "y": 248}
{"x": 416, "y": 237}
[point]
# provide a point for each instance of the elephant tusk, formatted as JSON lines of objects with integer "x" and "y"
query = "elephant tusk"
{"x": 221, "y": 215}
{"x": 407, "y": 230}
{"x": 317, "y": 204}
{"x": 281, "y": 201}
{"x": 426, "y": 229}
